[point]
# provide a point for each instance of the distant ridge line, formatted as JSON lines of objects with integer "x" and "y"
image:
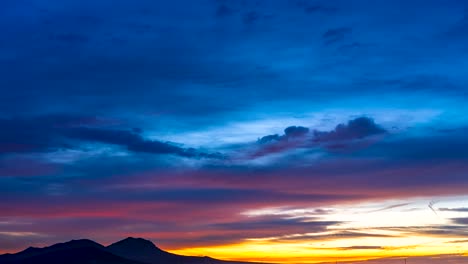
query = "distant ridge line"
{"x": 126, "y": 251}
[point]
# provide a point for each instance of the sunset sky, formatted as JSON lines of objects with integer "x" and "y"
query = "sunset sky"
{"x": 260, "y": 130}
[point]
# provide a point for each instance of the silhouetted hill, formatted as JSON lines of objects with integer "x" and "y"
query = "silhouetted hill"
{"x": 137, "y": 248}
{"x": 145, "y": 251}
{"x": 127, "y": 251}
{"x": 73, "y": 252}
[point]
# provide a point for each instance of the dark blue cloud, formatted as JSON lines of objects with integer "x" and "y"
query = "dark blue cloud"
{"x": 289, "y": 132}
{"x": 355, "y": 129}
{"x": 52, "y": 133}
{"x": 344, "y": 137}
{"x": 118, "y": 58}
{"x": 432, "y": 146}
{"x": 295, "y": 131}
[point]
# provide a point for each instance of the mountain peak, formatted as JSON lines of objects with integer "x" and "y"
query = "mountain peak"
{"x": 137, "y": 239}
{"x": 132, "y": 242}
{"x": 139, "y": 249}
{"x": 78, "y": 243}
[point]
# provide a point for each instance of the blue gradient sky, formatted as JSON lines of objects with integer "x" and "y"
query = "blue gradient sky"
{"x": 217, "y": 126}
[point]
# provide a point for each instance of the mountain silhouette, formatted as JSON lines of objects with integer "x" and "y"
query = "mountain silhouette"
{"x": 138, "y": 249}
{"x": 84, "y": 251}
{"x": 73, "y": 252}
{"x": 145, "y": 251}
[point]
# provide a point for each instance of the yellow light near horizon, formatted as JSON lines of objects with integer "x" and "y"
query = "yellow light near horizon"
{"x": 308, "y": 252}
{"x": 391, "y": 232}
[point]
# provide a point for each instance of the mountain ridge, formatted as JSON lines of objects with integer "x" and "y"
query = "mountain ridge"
{"x": 84, "y": 251}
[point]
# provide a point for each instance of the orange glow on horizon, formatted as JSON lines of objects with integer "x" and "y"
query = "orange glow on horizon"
{"x": 304, "y": 253}
{"x": 374, "y": 234}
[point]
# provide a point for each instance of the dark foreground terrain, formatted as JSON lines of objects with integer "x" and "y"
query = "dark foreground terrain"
{"x": 127, "y": 251}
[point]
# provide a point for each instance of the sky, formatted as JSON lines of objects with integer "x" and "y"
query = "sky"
{"x": 280, "y": 131}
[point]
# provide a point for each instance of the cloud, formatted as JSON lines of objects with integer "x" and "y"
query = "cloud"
{"x": 20, "y": 167}
{"x": 269, "y": 138}
{"x": 456, "y": 230}
{"x": 134, "y": 142}
{"x": 16, "y": 241}
{"x": 358, "y": 128}
{"x": 427, "y": 147}
{"x": 289, "y": 133}
{"x": 460, "y": 221}
{"x": 458, "y": 241}
{"x": 36, "y": 134}
{"x": 335, "y": 235}
{"x": 259, "y": 223}
{"x": 51, "y": 133}
{"x": 294, "y": 137}
{"x": 431, "y": 259}
{"x": 461, "y": 209}
{"x": 295, "y": 131}
{"x": 343, "y": 137}
{"x": 361, "y": 248}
